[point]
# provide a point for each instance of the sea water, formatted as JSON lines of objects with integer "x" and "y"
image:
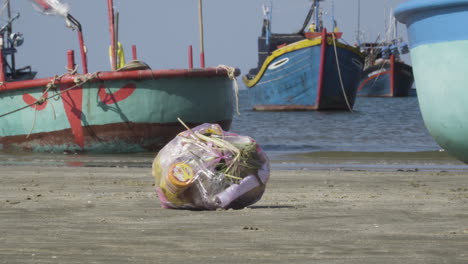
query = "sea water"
{"x": 380, "y": 133}
{"x": 374, "y": 125}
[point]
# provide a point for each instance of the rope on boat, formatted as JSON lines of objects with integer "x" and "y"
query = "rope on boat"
{"x": 231, "y": 72}
{"x": 339, "y": 74}
{"x": 79, "y": 81}
{"x": 82, "y": 79}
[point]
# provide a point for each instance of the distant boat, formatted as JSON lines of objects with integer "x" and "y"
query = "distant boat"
{"x": 129, "y": 109}
{"x": 11, "y": 41}
{"x": 311, "y": 70}
{"x": 385, "y": 73}
{"x": 439, "y": 53}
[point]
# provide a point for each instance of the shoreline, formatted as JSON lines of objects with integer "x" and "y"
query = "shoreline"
{"x": 321, "y": 160}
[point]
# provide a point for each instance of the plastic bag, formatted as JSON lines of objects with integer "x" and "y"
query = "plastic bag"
{"x": 208, "y": 168}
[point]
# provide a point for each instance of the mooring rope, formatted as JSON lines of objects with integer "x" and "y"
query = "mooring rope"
{"x": 339, "y": 73}
{"x": 79, "y": 81}
{"x": 231, "y": 72}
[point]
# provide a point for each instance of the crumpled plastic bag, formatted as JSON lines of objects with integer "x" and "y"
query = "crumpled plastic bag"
{"x": 207, "y": 168}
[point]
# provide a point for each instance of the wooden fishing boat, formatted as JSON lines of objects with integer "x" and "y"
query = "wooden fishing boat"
{"x": 385, "y": 74}
{"x": 438, "y": 43}
{"x": 128, "y": 109}
{"x": 311, "y": 70}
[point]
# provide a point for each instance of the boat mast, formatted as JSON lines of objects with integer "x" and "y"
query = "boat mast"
{"x": 358, "y": 37}
{"x": 202, "y": 45}
{"x": 9, "y": 31}
{"x": 110, "y": 7}
{"x": 316, "y": 16}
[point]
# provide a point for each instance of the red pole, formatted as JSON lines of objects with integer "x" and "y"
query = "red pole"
{"x": 110, "y": 6}
{"x": 134, "y": 52}
{"x": 2, "y": 71}
{"x": 190, "y": 57}
{"x": 392, "y": 75}
{"x": 84, "y": 59}
{"x": 323, "y": 51}
{"x": 71, "y": 60}
{"x": 202, "y": 60}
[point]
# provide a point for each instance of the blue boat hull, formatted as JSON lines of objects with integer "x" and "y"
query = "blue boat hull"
{"x": 305, "y": 76}
{"x": 385, "y": 80}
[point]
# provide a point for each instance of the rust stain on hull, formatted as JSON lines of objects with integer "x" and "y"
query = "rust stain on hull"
{"x": 103, "y": 138}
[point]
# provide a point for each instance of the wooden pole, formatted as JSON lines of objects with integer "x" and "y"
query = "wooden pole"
{"x": 110, "y": 7}
{"x": 2, "y": 69}
{"x": 71, "y": 60}
{"x": 190, "y": 57}
{"x": 9, "y": 31}
{"x": 358, "y": 37}
{"x": 202, "y": 45}
{"x": 134, "y": 52}
{"x": 116, "y": 29}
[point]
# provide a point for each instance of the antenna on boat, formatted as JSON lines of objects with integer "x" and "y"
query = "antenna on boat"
{"x": 202, "y": 45}
{"x": 267, "y": 17}
{"x": 316, "y": 15}
{"x": 358, "y": 37}
{"x": 312, "y": 11}
{"x": 335, "y": 25}
{"x": 9, "y": 31}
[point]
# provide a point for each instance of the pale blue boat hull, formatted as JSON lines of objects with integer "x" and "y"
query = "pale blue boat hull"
{"x": 439, "y": 53}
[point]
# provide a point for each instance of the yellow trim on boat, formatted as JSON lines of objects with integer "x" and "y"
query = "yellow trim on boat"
{"x": 290, "y": 48}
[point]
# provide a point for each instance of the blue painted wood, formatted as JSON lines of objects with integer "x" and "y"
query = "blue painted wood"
{"x": 434, "y": 21}
{"x": 289, "y": 84}
{"x": 292, "y": 80}
{"x": 376, "y": 81}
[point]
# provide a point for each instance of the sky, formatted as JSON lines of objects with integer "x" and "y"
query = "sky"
{"x": 162, "y": 30}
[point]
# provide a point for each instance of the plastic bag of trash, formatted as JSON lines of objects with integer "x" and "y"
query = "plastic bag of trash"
{"x": 208, "y": 168}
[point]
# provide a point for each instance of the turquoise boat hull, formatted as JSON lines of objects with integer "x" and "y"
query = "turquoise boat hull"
{"x": 305, "y": 75}
{"x": 116, "y": 114}
{"x": 439, "y": 54}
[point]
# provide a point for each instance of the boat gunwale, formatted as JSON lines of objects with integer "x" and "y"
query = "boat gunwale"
{"x": 406, "y": 11}
{"x": 118, "y": 75}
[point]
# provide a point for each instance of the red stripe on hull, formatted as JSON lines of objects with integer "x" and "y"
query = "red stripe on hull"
{"x": 323, "y": 50}
{"x": 392, "y": 74}
{"x": 371, "y": 78}
{"x": 112, "y": 98}
{"x": 29, "y": 99}
{"x": 72, "y": 103}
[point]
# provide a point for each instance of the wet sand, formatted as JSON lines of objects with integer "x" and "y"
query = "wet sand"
{"x": 309, "y": 214}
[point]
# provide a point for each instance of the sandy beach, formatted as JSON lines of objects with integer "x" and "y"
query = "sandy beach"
{"x": 333, "y": 214}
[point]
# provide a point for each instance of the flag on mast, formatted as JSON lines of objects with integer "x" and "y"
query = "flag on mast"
{"x": 51, "y": 7}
